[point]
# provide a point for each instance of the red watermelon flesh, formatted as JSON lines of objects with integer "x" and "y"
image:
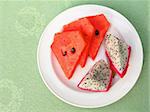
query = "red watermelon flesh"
{"x": 87, "y": 29}
{"x": 101, "y": 25}
{"x": 68, "y": 47}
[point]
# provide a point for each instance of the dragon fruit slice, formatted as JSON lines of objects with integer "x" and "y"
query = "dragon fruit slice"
{"x": 98, "y": 79}
{"x": 118, "y": 53}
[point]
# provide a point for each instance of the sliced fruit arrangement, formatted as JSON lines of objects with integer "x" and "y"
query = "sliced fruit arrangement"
{"x": 101, "y": 26}
{"x": 118, "y": 53}
{"x": 92, "y": 35}
{"x": 82, "y": 38}
{"x": 87, "y": 29}
{"x": 68, "y": 50}
{"x": 98, "y": 79}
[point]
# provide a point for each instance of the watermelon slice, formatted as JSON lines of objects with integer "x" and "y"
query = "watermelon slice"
{"x": 98, "y": 79}
{"x": 118, "y": 53}
{"x": 68, "y": 47}
{"x": 101, "y": 25}
{"x": 87, "y": 29}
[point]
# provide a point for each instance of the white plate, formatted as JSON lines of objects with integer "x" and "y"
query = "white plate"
{"x": 65, "y": 89}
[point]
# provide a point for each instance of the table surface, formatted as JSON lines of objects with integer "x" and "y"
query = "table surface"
{"x": 21, "y": 24}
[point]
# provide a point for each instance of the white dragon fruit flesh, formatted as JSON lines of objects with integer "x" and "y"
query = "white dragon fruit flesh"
{"x": 118, "y": 53}
{"x": 98, "y": 79}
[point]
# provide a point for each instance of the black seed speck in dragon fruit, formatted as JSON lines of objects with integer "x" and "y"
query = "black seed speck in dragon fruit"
{"x": 99, "y": 81}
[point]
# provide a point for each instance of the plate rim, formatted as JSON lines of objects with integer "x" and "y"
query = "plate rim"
{"x": 59, "y": 97}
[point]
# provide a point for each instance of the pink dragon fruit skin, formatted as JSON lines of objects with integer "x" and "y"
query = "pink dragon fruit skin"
{"x": 113, "y": 45}
{"x": 99, "y": 82}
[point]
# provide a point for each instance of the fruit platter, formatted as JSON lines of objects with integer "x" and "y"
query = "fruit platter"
{"x": 82, "y": 38}
{"x": 87, "y": 54}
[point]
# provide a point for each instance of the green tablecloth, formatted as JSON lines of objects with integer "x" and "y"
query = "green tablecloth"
{"x": 21, "y": 24}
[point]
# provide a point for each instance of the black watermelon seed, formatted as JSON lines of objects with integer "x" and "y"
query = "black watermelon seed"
{"x": 73, "y": 50}
{"x": 96, "y": 32}
{"x": 64, "y": 53}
